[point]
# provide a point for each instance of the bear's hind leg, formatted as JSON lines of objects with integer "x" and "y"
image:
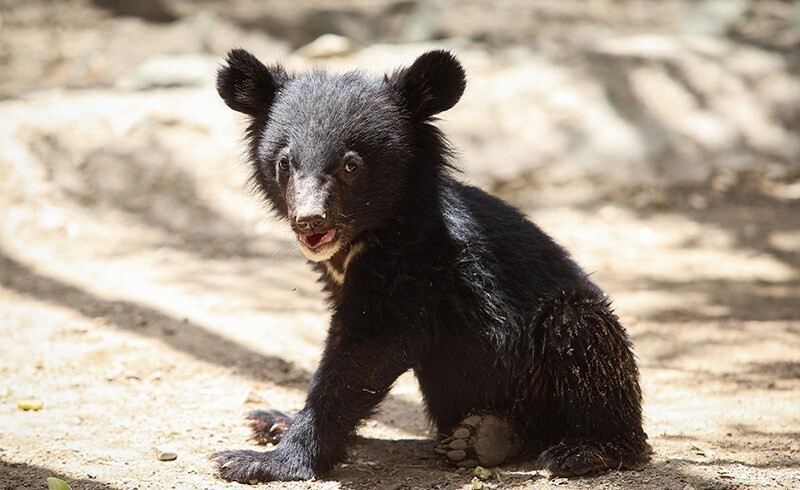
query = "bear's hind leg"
{"x": 590, "y": 388}
{"x": 484, "y": 439}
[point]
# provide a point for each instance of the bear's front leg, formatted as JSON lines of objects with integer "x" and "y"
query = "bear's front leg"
{"x": 355, "y": 374}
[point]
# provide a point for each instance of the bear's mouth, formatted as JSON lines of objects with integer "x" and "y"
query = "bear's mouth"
{"x": 316, "y": 240}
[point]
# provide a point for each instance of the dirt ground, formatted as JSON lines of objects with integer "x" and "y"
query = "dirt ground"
{"x": 134, "y": 339}
{"x": 155, "y": 308}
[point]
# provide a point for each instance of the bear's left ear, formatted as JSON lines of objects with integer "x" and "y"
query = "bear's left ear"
{"x": 432, "y": 84}
{"x": 246, "y": 85}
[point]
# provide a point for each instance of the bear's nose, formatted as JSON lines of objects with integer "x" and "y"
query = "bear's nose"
{"x": 310, "y": 224}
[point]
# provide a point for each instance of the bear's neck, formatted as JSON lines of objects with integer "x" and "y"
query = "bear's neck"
{"x": 335, "y": 268}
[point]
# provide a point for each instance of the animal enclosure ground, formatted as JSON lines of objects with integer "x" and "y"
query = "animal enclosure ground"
{"x": 135, "y": 338}
{"x": 147, "y": 302}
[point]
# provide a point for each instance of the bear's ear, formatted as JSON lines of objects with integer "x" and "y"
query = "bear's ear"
{"x": 246, "y": 85}
{"x": 432, "y": 84}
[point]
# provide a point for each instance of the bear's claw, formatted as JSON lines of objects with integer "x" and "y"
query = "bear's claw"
{"x": 269, "y": 426}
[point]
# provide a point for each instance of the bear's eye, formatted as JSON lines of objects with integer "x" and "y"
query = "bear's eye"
{"x": 350, "y": 162}
{"x": 283, "y": 163}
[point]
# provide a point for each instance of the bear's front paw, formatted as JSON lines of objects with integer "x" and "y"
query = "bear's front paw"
{"x": 579, "y": 458}
{"x": 244, "y": 466}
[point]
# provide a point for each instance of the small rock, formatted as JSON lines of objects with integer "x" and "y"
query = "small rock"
{"x": 254, "y": 397}
{"x": 166, "y": 71}
{"x": 715, "y": 17}
{"x": 477, "y": 484}
{"x": 483, "y": 473}
{"x": 166, "y": 453}
{"x": 328, "y": 46}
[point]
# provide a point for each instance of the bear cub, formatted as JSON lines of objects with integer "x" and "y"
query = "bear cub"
{"x": 517, "y": 352}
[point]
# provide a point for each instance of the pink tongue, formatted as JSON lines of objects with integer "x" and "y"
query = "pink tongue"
{"x": 318, "y": 239}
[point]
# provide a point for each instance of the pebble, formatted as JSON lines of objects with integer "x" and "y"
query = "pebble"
{"x": 328, "y": 46}
{"x": 166, "y": 453}
{"x": 483, "y": 473}
{"x": 167, "y": 71}
{"x": 715, "y": 17}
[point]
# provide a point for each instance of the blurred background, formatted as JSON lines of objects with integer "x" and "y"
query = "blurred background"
{"x": 604, "y": 97}
{"x": 147, "y": 298}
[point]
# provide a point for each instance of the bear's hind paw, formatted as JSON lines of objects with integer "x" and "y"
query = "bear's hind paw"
{"x": 487, "y": 440}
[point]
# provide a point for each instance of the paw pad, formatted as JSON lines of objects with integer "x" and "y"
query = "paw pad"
{"x": 486, "y": 440}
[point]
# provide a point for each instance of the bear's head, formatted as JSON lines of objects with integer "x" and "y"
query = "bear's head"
{"x": 337, "y": 154}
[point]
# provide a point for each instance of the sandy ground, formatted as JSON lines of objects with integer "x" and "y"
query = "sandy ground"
{"x": 147, "y": 300}
{"x": 135, "y": 334}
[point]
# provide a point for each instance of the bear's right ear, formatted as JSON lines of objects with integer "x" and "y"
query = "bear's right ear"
{"x": 246, "y": 85}
{"x": 432, "y": 84}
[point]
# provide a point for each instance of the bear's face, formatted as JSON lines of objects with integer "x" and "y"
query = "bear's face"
{"x": 330, "y": 147}
{"x": 332, "y": 152}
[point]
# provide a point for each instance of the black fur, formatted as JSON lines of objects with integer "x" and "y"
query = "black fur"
{"x": 426, "y": 273}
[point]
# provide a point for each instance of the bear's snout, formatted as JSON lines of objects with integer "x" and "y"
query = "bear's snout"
{"x": 315, "y": 223}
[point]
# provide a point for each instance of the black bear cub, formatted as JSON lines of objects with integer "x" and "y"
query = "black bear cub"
{"x": 517, "y": 352}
